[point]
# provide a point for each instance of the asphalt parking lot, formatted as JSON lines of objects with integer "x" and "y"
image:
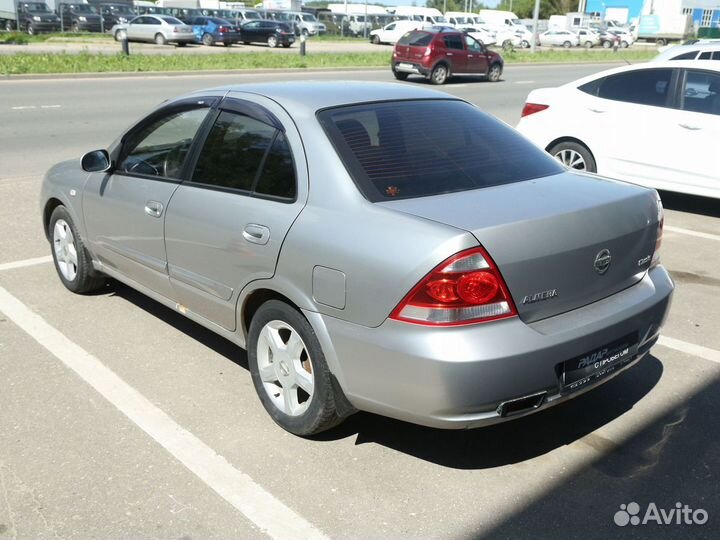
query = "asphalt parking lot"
{"x": 121, "y": 419}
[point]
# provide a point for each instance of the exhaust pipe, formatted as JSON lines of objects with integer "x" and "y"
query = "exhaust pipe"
{"x": 521, "y": 404}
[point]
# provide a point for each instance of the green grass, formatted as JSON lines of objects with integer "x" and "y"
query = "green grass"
{"x": 22, "y": 38}
{"x": 16, "y": 38}
{"x": 96, "y": 63}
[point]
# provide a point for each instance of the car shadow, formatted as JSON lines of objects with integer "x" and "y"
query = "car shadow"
{"x": 509, "y": 442}
{"x": 693, "y": 204}
{"x": 669, "y": 459}
{"x": 451, "y": 81}
{"x": 484, "y": 448}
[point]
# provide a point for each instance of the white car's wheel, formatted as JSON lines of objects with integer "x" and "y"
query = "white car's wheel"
{"x": 574, "y": 156}
{"x": 120, "y": 35}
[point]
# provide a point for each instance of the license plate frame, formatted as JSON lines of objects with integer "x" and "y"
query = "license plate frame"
{"x": 597, "y": 364}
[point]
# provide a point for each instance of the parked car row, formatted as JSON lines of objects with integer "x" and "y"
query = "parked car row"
{"x": 164, "y": 29}
{"x": 585, "y": 37}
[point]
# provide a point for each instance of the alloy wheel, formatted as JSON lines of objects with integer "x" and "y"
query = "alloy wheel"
{"x": 285, "y": 368}
{"x": 65, "y": 249}
{"x": 571, "y": 159}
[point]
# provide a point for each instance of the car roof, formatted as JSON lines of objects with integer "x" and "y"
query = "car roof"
{"x": 708, "y": 65}
{"x": 311, "y": 96}
{"x": 680, "y": 49}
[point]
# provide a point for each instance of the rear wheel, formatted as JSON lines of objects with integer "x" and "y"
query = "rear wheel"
{"x": 525, "y": 44}
{"x": 71, "y": 259}
{"x": 606, "y": 44}
{"x": 661, "y": 42}
{"x": 272, "y": 42}
{"x": 588, "y": 44}
{"x": 567, "y": 44}
{"x": 289, "y": 371}
{"x": 376, "y": 40}
{"x": 208, "y": 40}
{"x": 439, "y": 74}
{"x": 399, "y": 75}
{"x": 624, "y": 44}
{"x": 573, "y": 155}
{"x": 494, "y": 73}
{"x": 160, "y": 39}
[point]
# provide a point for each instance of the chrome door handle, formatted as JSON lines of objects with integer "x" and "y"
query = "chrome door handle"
{"x": 153, "y": 208}
{"x": 257, "y": 234}
{"x": 691, "y": 128}
{"x": 449, "y": 54}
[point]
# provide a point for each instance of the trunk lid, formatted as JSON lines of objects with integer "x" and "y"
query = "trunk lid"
{"x": 548, "y": 235}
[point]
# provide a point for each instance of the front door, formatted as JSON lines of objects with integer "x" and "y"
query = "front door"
{"x": 476, "y": 57}
{"x": 455, "y": 53}
{"x": 125, "y": 211}
{"x": 225, "y": 225}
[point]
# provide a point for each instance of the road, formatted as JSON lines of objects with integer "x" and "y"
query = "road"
{"x": 120, "y": 418}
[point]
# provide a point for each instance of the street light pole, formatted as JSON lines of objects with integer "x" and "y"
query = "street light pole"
{"x": 536, "y": 16}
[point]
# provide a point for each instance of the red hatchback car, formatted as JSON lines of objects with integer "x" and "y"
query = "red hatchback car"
{"x": 441, "y": 53}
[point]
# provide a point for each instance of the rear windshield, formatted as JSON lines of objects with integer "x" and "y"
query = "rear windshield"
{"x": 407, "y": 149}
{"x": 416, "y": 39}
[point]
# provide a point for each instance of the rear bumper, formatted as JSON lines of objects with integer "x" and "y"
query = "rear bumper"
{"x": 411, "y": 67}
{"x": 180, "y": 37}
{"x": 458, "y": 377}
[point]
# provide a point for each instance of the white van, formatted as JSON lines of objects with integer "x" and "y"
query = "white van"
{"x": 506, "y": 20}
{"x": 391, "y": 33}
{"x": 429, "y": 16}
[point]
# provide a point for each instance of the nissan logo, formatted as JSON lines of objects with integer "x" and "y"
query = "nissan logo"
{"x": 602, "y": 261}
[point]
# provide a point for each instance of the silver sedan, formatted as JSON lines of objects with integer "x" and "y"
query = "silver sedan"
{"x": 161, "y": 29}
{"x": 373, "y": 247}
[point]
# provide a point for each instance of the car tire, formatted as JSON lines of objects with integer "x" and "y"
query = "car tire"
{"x": 31, "y": 29}
{"x": 606, "y": 44}
{"x": 661, "y": 42}
{"x": 494, "y": 73}
{"x": 508, "y": 46}
{"x": 376, "y": 40}
{"x": 272, "y": 42}
{"x": 440, "y": 74}
{"x": 574, "y": 155}
{"x": 567, "y": 44}
{"x": 208, "y": 40}
{"x": 588, "y": 44}
{"x": 283, "y": 377}
{"x": 181, "y": 44}
{"x": 77, "y": 275}
{"x": 305, "y": 32}
{"x": 525, "y": 44}
{"x": 9, "y": 26}
{"x": 120, "y": 35}
{"x": 399, "y": 75}
{"x": 624, "y": 44}
{"x": 160, "y": 39}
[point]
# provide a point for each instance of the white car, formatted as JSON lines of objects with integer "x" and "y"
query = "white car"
{"x": 588, "y": 37}
{"x": 391, "y": 33}
{"x": 671, "y": 117}
{"x": 697, "y": 51}
{"x": 559, "y": 38}
{"x": 483, "y": 36}
{"x": 625, "y": 35}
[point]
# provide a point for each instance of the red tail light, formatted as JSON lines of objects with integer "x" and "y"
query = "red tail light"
{"x": 532, "y": 108}
{"x": 467, "y": 288}
{"x": 658, "y": 242}
{"x": 224, "y": 29}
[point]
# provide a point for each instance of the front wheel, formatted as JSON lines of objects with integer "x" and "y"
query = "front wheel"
{"x": 588, "y": 44}
{"x": 439, "y": 74}
{"x": 31, "y": 29}
{"x": 160, "y": 39}
{"x": 208, "y": 40}
{"x": 624, "y": 44}
{"x": 508, "y": 46}
{"x": 525, "y": 44}
{"x": 272, "y": 42}
{"x": 376, "y": 40}
{"x": 606, "y": 44}
{"x": 120, "y": 35}
{"x": 71, "y": 259}
{"x": 494, "y": 73}
{"x": 574, "y": 156}
{"x": 289, "y": 371}
{"x": 567, "y": 44}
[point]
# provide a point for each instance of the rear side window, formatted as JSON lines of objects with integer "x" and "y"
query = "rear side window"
{"x": 453, "y": 42}
{"x": 686, "y": 56}
{"x": 706, "y": 55}
{"x": 407, "y": 149}
{"x": 645, "y": 87}
{"x": 416, "y": 39}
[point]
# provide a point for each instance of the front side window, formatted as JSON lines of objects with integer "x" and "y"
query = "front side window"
{"x": 453, "y": 42}
{"x": 472, "y": 44}
{"x": 701, "y": 92}
{"x": 160, "y": 148}
{"x": 407, "y": 149}
{"x": 644, "y": 87}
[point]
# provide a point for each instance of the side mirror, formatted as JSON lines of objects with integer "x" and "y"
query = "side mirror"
{"x": 96, "y": 161}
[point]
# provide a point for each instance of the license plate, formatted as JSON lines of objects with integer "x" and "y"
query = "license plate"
{"x": 404, "y": 65}
{"x": 597, "y": 364}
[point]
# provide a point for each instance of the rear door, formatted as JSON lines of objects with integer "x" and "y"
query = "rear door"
{"x": 455, "y": 53}
{"x": 125, "y": 211}
{"x": 225, "y": 224}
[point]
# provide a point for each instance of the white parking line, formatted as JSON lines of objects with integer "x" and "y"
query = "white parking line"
{"x": 524, "y": 82}
{"x": 259, "y": 506}
{"x": 26, "y": 262}
{"x": 705, "y": 353}
{"x": 690, "y": 232}
{"x": 31, "y": 107}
